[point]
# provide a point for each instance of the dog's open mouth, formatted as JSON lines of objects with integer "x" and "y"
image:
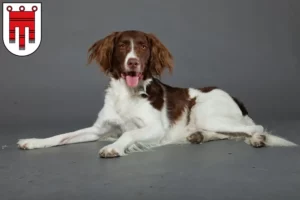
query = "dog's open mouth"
{"x": 132, "y": 78}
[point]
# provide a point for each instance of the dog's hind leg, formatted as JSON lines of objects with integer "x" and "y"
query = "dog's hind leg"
{"x": 229, "y": 128}
{"x": 205, "y": 136}
{"x": 237, "y": 129}
{"x": 255, "y": 140}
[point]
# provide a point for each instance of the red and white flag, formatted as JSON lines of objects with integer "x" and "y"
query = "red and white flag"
{"x": 22, "y": 27}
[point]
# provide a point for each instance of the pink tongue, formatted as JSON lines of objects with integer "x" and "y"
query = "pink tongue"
{"x": 132, "y": 81}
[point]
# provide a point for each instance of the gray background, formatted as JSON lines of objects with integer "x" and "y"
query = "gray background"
{"x": 251, "y": 48}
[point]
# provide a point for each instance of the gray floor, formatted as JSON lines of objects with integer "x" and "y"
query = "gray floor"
{"x": 216, "y": 170}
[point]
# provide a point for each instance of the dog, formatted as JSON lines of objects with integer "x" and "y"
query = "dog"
{"x": 144, "y": 113}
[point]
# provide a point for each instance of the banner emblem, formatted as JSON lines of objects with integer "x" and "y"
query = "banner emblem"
{"x": 22, "y": 27}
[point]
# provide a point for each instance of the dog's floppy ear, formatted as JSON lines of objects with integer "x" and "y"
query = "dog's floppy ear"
{"x": 160, "y": 58}
{"x": 102, "y": 50}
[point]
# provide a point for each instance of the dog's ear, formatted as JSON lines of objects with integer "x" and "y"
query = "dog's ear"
{"x": 160, "y": 58}
{"x": 102, "y": 51}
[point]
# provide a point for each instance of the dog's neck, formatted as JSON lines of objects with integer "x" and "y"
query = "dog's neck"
{"x": 119, "y": 85}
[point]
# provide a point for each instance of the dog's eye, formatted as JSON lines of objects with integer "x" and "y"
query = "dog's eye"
{"x": 144, "y": 46}
{"x": 122, "y": 45}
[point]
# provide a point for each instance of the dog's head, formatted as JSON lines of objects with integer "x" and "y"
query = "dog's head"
{"x": 131, "y": 55}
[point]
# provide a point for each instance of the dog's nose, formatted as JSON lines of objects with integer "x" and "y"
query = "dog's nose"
{"x": 133, "y": 63}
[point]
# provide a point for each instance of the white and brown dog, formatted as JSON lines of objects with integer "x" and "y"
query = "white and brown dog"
{"x": 145, "y": 112}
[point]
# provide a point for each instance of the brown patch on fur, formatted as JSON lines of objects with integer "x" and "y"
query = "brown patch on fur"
{"x": 207, "y": 89}
{"x": 177, "y": 99}
{"x": 191, "y": 104}
{"x": 160, "y": 57}
{"x": 155, "y": 94}
{"x": 102, "y": 52}
{"x": 195, "y": 138}
{"x": 177, "y": 102}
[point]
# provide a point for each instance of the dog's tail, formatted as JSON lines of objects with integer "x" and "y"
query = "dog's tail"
{"x": 273, "y": 140}
{"x": 265, "y": 138}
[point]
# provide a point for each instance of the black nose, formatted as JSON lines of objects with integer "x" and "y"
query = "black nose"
{"x": 133, "y": 63}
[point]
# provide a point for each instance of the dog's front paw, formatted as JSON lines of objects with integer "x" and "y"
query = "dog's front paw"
{"x": 111, "y": 151}
{"x": 30, "y": 143}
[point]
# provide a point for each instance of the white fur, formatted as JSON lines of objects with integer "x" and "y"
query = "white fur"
{"x": 141, "y": 126}
{"x": 131, "y": 54}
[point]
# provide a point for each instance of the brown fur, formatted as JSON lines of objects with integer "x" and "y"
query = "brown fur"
{"x": 178, "y": 99}
{"x": 102, "y": 52}
{"x": 153, "y": 55}
{"x": 155, "y": 94}
{"x": 191, "y": 104}
{"x": 207, "y": 89}
{"x": 177, "y": 102}
{"x": 160, "y": 58}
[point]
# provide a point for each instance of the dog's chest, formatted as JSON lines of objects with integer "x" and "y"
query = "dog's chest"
{"x": 130, "y": 106}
